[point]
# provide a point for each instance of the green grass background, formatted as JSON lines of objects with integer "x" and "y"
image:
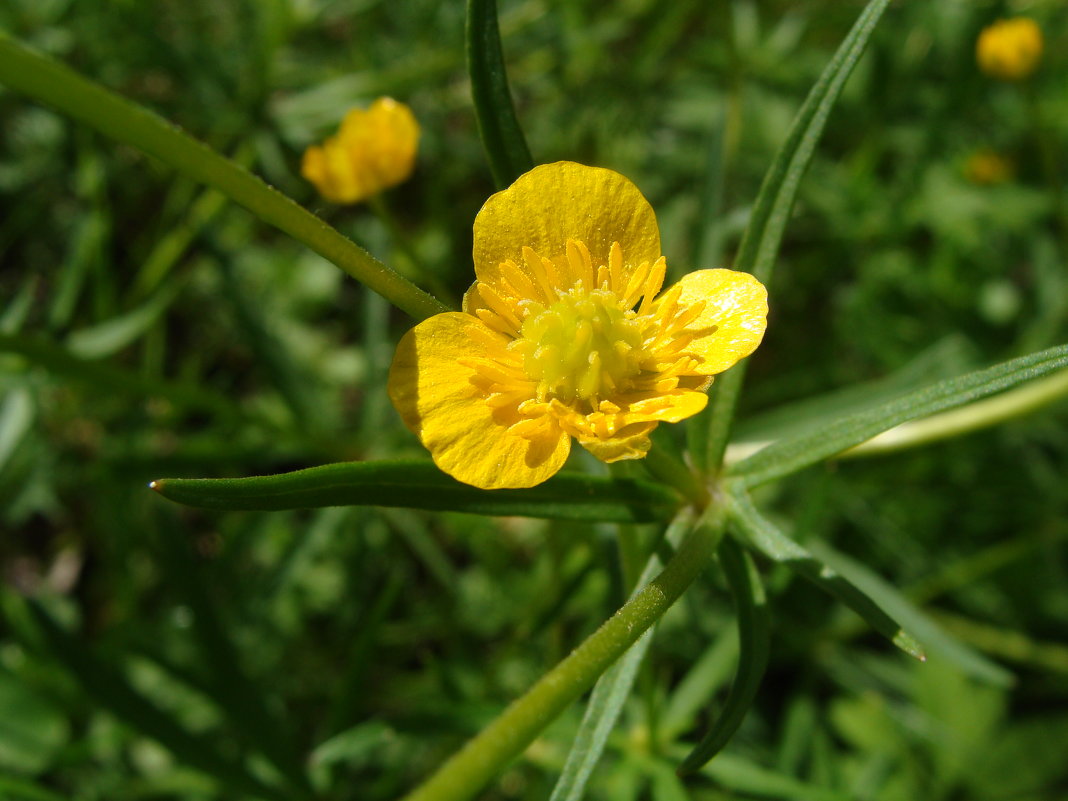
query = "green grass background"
{"x": 149, "y": 329}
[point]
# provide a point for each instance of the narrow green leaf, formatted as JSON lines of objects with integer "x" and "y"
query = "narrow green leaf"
{"x": 763, "y": 235}
{"x": 602, "y": 711}
{"x": 33, "y": 729}
{"x": 769, "y": 540}
{"x": 418, "y": 484}
{"x": 754, "y": 638}
{"x": 790, "y": 455}
{"x": 87, "y": 241}
{"x": 743, "y": 776}
{"x": 502, "y": 138}
{"x": 17, "y": 412}
{"x": 608, "y": 696}
{"x": 41, "y": 78}
{"x": 937, "y": 640}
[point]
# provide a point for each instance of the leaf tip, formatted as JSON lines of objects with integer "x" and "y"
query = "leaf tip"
{"x": 907, "y": 643}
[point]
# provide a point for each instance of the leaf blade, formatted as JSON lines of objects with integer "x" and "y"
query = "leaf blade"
{"x": 418, "y": 484}
{"x": 763, "y": 236}
{"x": 754, "y": 639}
{"x": 790, "y": 455}
{"x": 773, "y": 543}
{"x": 502, "y": 138}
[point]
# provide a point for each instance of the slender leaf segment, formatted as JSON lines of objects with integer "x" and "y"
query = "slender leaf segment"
{"x": 763, "y": 235}
{"x": 502, "y": 138}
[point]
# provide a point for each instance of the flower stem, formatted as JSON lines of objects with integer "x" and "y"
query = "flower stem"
{"x": 53, "y": 83}
{"x": 471, "y": 768}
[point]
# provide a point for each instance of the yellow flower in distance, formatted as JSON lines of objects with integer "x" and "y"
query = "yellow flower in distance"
{"x": 566, "y": 333}
{"x": 987, "y": 168}
{"x": 373, "y": 150}
{"x": 1009, "y": 49}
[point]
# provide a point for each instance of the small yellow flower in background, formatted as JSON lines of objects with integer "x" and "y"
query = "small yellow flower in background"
{"x": 985, "y": 167}
{"x": 566, "y": 333}
{"x": 1009, "y": 49}
{"x": 373, "y": 150}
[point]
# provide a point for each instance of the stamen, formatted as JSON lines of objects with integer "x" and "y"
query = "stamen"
{"x": 498, "y": 304}
{"x": 523, "y": 286}
{"x": 544, "y": 273}
{"x": 578, "y": 259}
{"x": 496, "y": 322}
{"x": 636, "y": 285}
{"x": 653, "y": 284}
{"x": 615, "y": 268}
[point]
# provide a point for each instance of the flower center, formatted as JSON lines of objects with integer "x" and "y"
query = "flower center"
{"x": 583, "y": 347}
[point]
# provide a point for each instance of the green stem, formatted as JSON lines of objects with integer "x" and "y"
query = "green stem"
{"x": 470, "y": 769}
{"x": 667, "y": 469}
{"x": 51, "y": 82}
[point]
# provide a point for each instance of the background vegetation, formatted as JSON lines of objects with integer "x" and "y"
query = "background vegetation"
{"x": 148, "y": 328}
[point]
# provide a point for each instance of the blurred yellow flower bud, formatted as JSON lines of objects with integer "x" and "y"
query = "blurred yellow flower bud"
{"x": 986, "y": 167}
{"x": 1009, "y": 49}
{"x": 373, "y": 150}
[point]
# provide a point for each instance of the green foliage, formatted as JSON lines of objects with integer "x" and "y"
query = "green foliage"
{"x": 277, "y": 636}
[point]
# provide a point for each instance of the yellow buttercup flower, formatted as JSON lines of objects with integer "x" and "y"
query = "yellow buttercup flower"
{"x": 566, "y": 333}
{"x": 373, "y": 150}
{"x": 1009, "y": 49}
{"x": 986, "y": 167}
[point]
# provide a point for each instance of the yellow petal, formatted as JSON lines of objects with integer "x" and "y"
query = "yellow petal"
{"x": 732, "y": 322}
{"x": 635, "y": 420}
{"x": 467, "y": 438}
{"x": 632, "y": 443}
{"x": 553, "y": 203}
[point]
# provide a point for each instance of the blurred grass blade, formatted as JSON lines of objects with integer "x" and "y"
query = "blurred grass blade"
{"x": 790, "y": 455}
{"x": 749, "y": 779}
{"x": 763, "y": 235}
{"x": 109, "y": 688}
{"x": 418, "y": 484}
{"x": 502, "y": 139}
{"x": 754, "y": 636}
{"x": 87, "y": 244}
{"x": 769, "y": 540}
{"x": 43, "y": 79}
{"x": 17, "y": 411}
{"x": 936, "y": 640}
{"x": 609, "y": 695}
{"x": 111, "y": 336}
{"x": 61, "y": 362}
